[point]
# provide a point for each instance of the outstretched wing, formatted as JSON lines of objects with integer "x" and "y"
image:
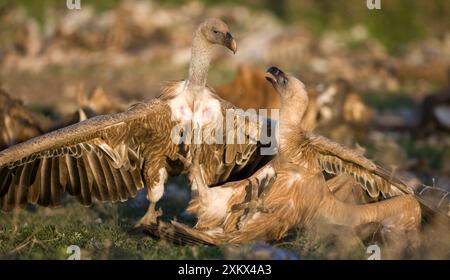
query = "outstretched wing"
{"x": 337, "y": 159}
{"x": 378, "y": 182}
{"x": 98, "y": 158}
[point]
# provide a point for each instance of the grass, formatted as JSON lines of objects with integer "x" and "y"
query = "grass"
{"x": 102, "y": 234}
{"x": 100, "y": 231}
{"x": 388, "y": 100}
{"x": 433, "y": 154}
{"x": 105, "y": 231}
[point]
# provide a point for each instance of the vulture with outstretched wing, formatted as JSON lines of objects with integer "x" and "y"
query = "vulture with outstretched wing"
{"x": 292, "y": 190}
{"x": 110, "y": 157}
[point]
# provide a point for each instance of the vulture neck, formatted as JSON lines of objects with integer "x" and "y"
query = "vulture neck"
{"x": 200, "y": 59}
{"x": 292, "y": 110}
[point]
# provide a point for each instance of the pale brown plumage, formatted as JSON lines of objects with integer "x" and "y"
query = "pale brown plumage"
{"x": 110, "y": 157}
{"x": 299, "y": 194}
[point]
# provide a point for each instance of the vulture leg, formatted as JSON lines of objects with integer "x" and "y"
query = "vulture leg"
{"x": 196, "y": 171}
{"x": 155, "y": 178}
{"x": 258, "y": 186}
{"x": 196, "y": 176}
{"x": 150, "y": 217}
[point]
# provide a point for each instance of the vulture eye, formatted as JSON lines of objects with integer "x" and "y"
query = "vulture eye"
{"x": 215, "y": 31}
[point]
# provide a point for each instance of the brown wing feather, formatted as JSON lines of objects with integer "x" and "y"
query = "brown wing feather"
{"x": 233, "y": 161}
{"x": 99, "y": 158}
{"x": 337, "y": 159}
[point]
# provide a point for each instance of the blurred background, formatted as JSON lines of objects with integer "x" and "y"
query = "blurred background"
{"x": 379, "y": 80}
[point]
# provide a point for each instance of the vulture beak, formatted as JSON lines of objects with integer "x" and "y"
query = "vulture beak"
{"x": 230, "y": 42}
{"x": 275, "y": 76}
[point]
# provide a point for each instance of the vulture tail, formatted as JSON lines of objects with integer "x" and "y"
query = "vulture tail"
{"x": 180, "y": 234}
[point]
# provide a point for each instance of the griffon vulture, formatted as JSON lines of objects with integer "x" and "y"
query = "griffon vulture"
{"x": 291, "y": 189}
{"x": 110, "y": 157}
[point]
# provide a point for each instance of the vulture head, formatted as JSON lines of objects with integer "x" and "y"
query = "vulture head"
{"x": 286, "y": 85}
{"x": 215, "y": 31}
{"x": 294, "y": 98}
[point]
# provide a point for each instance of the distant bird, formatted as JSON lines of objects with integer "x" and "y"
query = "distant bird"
{"x": 110, "y": 157}
{"x": 336, "y": 110}
{"x": 291, "y": 189}
{"x": 249, "y": 90}
{"x": 435, "y": 113}
{"x": 19, "y": 123}
{"x": 102, "y": 102}
{"x": 98, "y": 102}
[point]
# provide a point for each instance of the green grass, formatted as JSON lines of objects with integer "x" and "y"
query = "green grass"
{"x": 388, "y": 100}
{"x": 396, "y": 25}
{"x": 105, "y": 231}
{"x": 431, "y": 153}
{"x": 100, "y": 231}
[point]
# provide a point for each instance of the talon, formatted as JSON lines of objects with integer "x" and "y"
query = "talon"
{"x": 187, "y": 163}
{"x": 151, "y": 217}
{"x": 158, "y": 213}
{"x": 252, "y": 208}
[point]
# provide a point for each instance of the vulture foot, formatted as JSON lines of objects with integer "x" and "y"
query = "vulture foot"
{"x": 258, "y": 187}
{"x": 150, "y": 218}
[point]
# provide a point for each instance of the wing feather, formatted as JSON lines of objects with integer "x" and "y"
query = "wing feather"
{"x": 55, "y": 186}
{"x": 6, "y": 175}
{"x": 74, "y": 179}
{"x": 120, "y": 184}
{"x": 98, "y": 177}
{"x": 57, "y": 142}
{"x": 44, "y": 191}
{"x": 24, "y": 184}
{"x": 129, "y": 184}
{"x": 109, "y": 180}
{"x": 85, "y": 185}
{"x": 33, "y": 193}
{"x": 337, "y": 159}
{"x": 230, "y": 161}
{"x": 100, "y": 158}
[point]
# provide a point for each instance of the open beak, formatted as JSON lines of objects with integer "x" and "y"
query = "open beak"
{"x": 275, "y": 76}
{"x": 230, "y": 43}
